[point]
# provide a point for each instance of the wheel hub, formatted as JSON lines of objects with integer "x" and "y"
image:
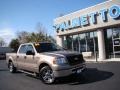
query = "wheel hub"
{"x": 48, "y": 75}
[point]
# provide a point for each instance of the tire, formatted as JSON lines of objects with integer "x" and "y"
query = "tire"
{"x": 12, "y": 69}
{"x": 46, "y": 75}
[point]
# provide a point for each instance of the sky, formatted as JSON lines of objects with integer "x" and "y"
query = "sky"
{"x": 23, "y": 15}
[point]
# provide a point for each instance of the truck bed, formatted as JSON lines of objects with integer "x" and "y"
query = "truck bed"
{"x": 10, "y": 56}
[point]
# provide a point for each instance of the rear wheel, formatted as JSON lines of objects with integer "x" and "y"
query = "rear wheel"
{"x": 46, "y": 75}
{"x": 12, "y": 69}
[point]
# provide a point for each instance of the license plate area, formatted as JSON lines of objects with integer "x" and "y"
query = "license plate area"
{"x": 77, "y": 70}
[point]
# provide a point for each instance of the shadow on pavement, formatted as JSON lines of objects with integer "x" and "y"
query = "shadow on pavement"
{"x": 3, "y": 70}
{"x": 89, "y": 76}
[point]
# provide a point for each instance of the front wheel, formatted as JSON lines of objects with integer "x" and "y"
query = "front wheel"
{"x": 46, "y": 75}
{"x": 12, "y": 69}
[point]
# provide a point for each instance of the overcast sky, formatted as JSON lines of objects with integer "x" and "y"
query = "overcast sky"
{"x": 23, "y": 15}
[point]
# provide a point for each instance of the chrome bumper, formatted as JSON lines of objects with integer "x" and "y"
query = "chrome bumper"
{"x": 67, "y": 72}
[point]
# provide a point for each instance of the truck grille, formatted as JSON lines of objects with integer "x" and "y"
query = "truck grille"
{"x": 75, "y": 59}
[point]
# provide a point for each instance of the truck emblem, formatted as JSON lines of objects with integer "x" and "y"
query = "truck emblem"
{"x": 76, "y": 58}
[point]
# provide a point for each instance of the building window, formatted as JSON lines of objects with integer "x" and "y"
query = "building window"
{"x": 68, "y": 42}
{"x": 116, "y": 42}
{"x": 90, "y": 41}
{"x": 83, "y": 42}
{"x": 113, "y": 43}
{"x": 75, "y": 42}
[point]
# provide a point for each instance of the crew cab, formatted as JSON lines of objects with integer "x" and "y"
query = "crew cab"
{"x": 47, "y": 60}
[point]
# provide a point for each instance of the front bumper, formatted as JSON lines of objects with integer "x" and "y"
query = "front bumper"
{"x": 72, "y": 70}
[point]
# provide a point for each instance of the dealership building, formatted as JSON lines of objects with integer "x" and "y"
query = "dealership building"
{"x": 93, "y": 31}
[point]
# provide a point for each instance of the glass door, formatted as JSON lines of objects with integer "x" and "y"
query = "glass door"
{"x": 75, "y": 43}
{"x": 116, "y": 42}
{"x": 68, "y": 42}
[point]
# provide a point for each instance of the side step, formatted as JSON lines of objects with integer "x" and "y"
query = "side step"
{"x": 29, "y": 73}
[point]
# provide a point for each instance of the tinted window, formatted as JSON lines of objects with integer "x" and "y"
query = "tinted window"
{"x": 30, "y": 48}
{"x": 46, "y": 47}
{"x": 22, "y": 49}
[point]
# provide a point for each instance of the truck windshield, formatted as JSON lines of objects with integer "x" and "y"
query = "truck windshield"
{"x": 47, "y": 47}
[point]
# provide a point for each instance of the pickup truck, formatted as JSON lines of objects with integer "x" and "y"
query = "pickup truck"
{"x": 47, "y": 60}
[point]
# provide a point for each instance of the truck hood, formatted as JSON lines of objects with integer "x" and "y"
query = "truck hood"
{"x": 61, "y": 53}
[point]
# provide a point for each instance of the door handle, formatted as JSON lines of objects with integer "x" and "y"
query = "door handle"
{"x": 25, "y": 57}
{"x": 17, "y": 56}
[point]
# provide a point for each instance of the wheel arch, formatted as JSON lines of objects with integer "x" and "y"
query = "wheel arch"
{"x": 9, "y": 60}
{"x": 42, "y": 65}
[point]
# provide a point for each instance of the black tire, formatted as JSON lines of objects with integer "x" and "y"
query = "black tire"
{"x": 12, "y": 69}
{"x": 46, "y": 75}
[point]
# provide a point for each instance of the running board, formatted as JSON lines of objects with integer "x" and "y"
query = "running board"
{"x": 29, "y": 73}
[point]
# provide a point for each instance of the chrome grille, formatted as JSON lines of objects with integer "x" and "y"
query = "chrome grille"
{"x": 75, "y": 59}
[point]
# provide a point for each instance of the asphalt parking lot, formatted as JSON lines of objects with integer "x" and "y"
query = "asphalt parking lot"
{"x": 98, "y": 76}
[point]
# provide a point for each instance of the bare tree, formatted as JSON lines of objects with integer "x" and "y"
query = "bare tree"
{"x": 39, "y": 36}
{"x": 22, "y": 36}
{"x": 42, "y": 31}
{"x": 40, "y": 28}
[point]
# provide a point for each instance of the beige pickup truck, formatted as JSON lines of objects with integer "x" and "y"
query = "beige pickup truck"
{"x": 47, "y": 60}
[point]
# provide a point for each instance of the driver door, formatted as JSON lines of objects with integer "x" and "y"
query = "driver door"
{"x": 21, "y": 57}
{"x": 31, "y": 59}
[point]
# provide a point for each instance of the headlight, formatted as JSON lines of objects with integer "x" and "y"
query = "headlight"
{"x": 60, "y": 61}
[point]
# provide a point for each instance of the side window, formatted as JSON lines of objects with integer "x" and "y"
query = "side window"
{"x": 22, "y": 49}
{"x": 30, "y": 48}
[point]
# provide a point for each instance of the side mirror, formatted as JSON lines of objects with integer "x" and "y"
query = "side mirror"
{"x": 30, "y": 53}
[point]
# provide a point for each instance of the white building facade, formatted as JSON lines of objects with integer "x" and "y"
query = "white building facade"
{"x": 93, "y": 31}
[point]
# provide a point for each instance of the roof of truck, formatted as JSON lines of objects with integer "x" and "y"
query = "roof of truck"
{"x": 35, "y": 43}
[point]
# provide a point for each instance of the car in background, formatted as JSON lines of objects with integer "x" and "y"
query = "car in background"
{"x": 3, "y": 51}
